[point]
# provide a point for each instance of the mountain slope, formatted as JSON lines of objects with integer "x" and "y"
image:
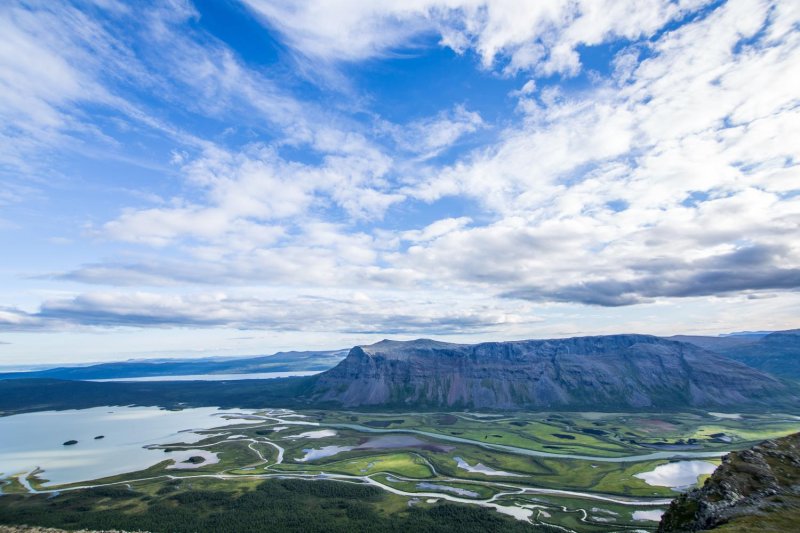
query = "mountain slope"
{"x": 717, "y": 344}
{"x": 752, "y": 490}
{"x": 777, "y": 353}
{"x": 609, "y": 372}
{"x": 279, "y": 362}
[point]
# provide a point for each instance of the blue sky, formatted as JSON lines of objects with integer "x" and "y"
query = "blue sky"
{"x": 243, "y": 176}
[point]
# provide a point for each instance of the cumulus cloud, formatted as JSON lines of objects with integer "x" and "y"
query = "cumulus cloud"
{"x": 683, "y": 161}
{"x": 431, "y": 136}
{"x": 743, "y": 271}
{"x": 349, "y": 313}
{"x": 532, "y": 35}
{"x": 584, "y": 192}
{"x": 673, "y": 175}
{"x": 249, "y": 195}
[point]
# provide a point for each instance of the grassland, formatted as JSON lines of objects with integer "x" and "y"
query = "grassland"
{"x": 408, "y": 467}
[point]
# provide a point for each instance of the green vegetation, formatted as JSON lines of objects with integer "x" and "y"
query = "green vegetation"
{"x": 394, "y": 472}
{"x": 755, "y": 489}
{"x": 275, "y": 505}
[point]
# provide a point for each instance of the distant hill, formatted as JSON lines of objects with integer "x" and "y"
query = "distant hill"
{"x": 777, "y": 353}
{"x": 279, "y": 362}
{"x": 752, "y": 490}
{"x": 608, "y": 372}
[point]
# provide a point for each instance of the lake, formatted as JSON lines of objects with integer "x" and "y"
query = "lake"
{"x": 32, "y": 440}
{"x": 217, "y": 377}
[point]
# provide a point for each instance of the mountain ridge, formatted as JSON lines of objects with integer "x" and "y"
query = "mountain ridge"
{"x": 777, "y": 353}
{"x": 278, "y": 362}
{"x": 627, "y": 371}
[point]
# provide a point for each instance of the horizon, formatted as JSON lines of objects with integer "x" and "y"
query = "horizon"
{"x": 212, "y": 179}
{"x": 161, "y": 358}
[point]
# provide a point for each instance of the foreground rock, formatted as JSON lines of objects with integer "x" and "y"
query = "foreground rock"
{"x": 752, "y": 490}
{"x": 609, "y": 372}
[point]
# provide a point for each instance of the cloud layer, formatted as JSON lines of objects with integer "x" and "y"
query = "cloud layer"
{"x": 640, "y": 154}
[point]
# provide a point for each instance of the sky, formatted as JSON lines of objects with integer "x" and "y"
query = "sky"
{"x": 233, "y": 177}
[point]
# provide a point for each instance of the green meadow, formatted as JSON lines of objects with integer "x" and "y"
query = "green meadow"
{"x": 371, "y": 472}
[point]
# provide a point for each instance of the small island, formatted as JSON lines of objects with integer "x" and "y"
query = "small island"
{"x": 70, "y": 443}
{"x": 195, "y": 460}
{"x": 99, "y": 437}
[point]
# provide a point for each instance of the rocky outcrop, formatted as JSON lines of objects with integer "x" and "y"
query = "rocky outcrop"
{"x": 758, "y": 488}
{"x": 616, "y": 372}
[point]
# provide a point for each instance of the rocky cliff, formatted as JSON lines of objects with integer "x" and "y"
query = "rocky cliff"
{"x": 752, "y": 490}
{"x": 616, "y": 372}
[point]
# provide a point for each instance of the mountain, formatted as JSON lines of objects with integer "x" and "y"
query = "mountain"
{"x": 279, "y": 362}
{"x": 752, "y": 490}
{"x": 717, "y": 344}
{"x": 608, "y": 372}
{"x": 777, "y": 353}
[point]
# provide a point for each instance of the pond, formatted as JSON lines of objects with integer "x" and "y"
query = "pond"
{"x": 36, "y": 440}
{"x": 319, "y": 434}
{"x": 653, "y": 515}
{"x": 446, "y": 488}
{"x": 319, "y": 453}
{"x": 480, "y": 468}
{"x": 680, "y": 475}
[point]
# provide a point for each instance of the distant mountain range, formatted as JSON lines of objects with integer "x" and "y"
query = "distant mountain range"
{"x": 777, "y": 353}
{"x": 607, "y": 372}
{"x": 279, "y": 362}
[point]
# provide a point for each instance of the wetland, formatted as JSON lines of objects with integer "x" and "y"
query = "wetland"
{"x": 516, "y": 468}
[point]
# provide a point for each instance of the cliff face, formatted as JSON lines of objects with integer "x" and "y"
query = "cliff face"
{"x": 617, "y": 371}
{"x": 752, "y": 490}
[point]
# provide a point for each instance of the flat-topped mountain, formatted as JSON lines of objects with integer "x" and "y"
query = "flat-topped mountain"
{"x": 606, "y": 372}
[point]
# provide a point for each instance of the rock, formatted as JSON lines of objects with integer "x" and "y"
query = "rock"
{"x": 608, "y": 372}
{"x": 99, "y": 437}
{"x": 70, "y": 443}
{"x": 756, "y": 487}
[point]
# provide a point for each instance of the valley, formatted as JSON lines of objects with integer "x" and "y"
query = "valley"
{"x": 569, "y": 471}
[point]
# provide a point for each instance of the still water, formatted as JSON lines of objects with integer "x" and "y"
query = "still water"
{"x": 679, "y": 475}
{"x": 32, "y": 440}
{"x": 218, "y": 377}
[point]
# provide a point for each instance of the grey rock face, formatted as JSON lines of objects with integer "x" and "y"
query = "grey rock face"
{"x": 616, "y": 371}
{"x": 751, "y": 487}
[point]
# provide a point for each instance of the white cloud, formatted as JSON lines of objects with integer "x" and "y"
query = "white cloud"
{"x": 583, "y": 193}
{"x": 431, "y": 136}
{"x": 540, "y": 35}
{"x": 672, "y": 178}
{"x": 334, "y": 311}
{"x": 685, "y": 124}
